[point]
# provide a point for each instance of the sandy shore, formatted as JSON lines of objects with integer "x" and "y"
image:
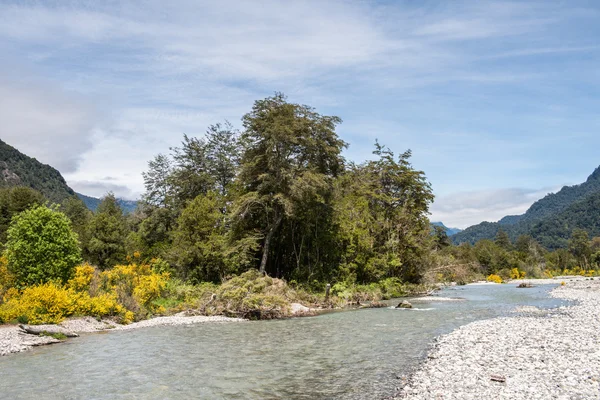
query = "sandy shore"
{"x": 13, "y": 339}
{"x": 533, "y": 355}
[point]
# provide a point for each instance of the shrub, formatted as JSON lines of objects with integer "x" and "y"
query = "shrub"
{"x": 50, "y": 303}
{"x": 136, "y": 286}
{"x": 41, "y": 247}
{"x": 494, "y": 278}
{"x": 516, "y": 274}
{"x": 252, "y": 295}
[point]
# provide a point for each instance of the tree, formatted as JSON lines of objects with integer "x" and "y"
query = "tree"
{"x": 80, "y": 216}
{"x": 291, "y": 154}
{"x": 107, "y": 234}
{"x": 503, "y": 240}
{"x": 157, "y": 181}
{"x": 440, "y": 237}
{"x": 382, "y": 208}
{"x": 200, "y": 246}
{"x": 41, "y": 247}
{"x": 223, "y": 153}
{"x": 579, "y": 246}
{"x": 14, "y": 201}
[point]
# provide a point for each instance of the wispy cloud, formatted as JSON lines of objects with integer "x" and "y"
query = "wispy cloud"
{"x": 483, "y": 92}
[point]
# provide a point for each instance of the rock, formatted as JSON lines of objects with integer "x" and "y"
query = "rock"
{"x": 298, "y": 308}
{"x": 525, "y": 285}
{"x": 404, "y": 304}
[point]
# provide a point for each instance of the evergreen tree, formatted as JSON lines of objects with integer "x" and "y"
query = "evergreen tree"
{"x": 107, "y": 234}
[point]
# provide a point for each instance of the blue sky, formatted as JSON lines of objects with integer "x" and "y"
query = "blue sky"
{"x": 497, "y": 100}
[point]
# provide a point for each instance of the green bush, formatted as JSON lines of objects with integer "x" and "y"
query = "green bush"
{"x": 41, "y": 247}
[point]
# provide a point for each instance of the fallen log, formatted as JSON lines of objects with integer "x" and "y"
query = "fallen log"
{"x": 47, "y": 330}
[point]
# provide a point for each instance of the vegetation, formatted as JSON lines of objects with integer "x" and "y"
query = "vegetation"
{"x": 247, "y": 223}
{"x": 41, "y": 247}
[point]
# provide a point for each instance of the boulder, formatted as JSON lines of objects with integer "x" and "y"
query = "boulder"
{"x": 404, "y": 304}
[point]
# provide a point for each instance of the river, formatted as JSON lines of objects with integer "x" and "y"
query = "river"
{"x": 360, "y": 354}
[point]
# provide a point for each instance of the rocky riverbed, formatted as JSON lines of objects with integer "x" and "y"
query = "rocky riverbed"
{"x": 533, "y": 355}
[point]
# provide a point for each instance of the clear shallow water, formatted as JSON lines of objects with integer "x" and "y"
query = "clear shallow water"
{"x": 341, "y": 355}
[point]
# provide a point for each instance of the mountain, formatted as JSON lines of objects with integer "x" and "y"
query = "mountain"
{"x": 550, "y": 220}
{"x": 17, "y": 169}
{"x": 128, "y": 206}
{"x": 449, "y": 231}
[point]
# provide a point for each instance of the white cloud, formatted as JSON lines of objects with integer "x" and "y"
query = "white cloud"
{"x": 469, "y": 208}
{"x": 47, "y": 123}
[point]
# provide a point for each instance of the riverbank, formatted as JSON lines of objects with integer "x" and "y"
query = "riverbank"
{"x": 14, "y": 339}
{"x": 544, "y": 355}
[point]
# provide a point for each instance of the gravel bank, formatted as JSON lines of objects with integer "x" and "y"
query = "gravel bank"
{"x": 13, "y": 339}
{"x": 554, "y": 355}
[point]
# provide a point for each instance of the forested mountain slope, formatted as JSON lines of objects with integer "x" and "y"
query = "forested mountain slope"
{"x": 558, "y": 213}
{"x": 18, "y": 169}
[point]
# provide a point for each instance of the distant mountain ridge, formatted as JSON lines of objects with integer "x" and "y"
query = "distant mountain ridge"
{"x": 449, "y": 231}
{"x": 549, "y": 220}
{"x": 18, "y": 169}
{"x": 128, "y": 206}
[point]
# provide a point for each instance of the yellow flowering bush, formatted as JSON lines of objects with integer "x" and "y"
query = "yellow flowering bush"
{"x": 136, "y": 285}
{"x": 123, "y": 291}
{"x": 494, "y": 278}
{"x": 82, "y": 278}
{"x": 515, "y": 273}
{"x": 51, "y": 303}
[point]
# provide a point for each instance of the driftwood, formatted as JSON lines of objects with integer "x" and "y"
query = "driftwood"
{"x": 47, "y": 330}
{"x": 498, "y": 378}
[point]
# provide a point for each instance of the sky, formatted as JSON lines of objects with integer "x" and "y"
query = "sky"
{"x": 498, "y": 101}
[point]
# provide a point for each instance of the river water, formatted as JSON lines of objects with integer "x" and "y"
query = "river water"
{"x": 360, "y": 354}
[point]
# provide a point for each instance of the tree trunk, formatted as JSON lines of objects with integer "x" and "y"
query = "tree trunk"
{"x": 265, "y": 256}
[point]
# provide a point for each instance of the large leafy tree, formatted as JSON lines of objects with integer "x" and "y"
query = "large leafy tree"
{"x": 41, "y": 247}
{"x": 290, "y": 157}
{"x": 382, "y": 209}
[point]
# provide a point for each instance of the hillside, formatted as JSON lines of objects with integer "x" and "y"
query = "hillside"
{"x": 550, "y": 219}
{"x": 554, "y": 232}
{"x": 128, "y": 206}
{"x": 17, "y": 169}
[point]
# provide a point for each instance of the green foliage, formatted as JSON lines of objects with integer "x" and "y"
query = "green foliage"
{"x": 201, "y": 250}
{"x": 13, "y": 201}
{"x": 41, "y": 247}
{"x": 382, "y": 208}
{"x": 107, "y": 234}
{"x": 290, "y": 157}
{"x": 253, "y": 295}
